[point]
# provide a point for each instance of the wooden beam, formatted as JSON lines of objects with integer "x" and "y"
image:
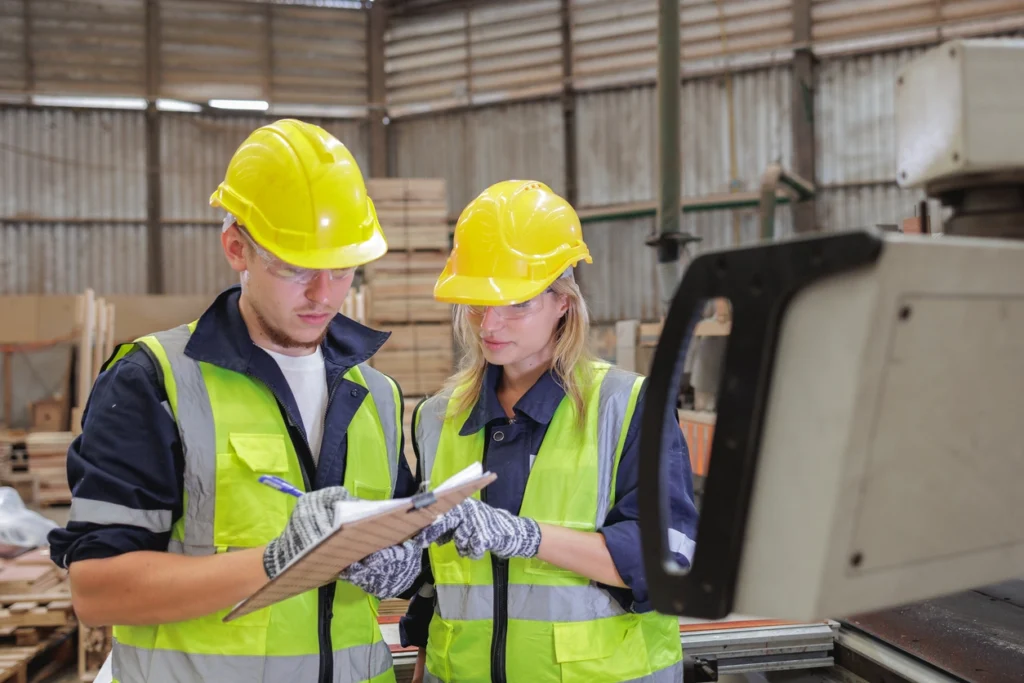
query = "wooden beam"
{"x": 377, "y": 89}
{"x": 802, "y": 113}
{"x": 569, "y": 107}
{"x": 8, "y": 388}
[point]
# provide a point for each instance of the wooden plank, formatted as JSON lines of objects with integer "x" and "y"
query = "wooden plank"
{"x": 86, "y": 327}
{"x": 415, "y": 237}
{"x": 99, "y": 335}
{"x": 426, "y": 336}
{"x": 406, "y": 189}
{"x": 400, "y": 265}
{"x": 409, "y": 311}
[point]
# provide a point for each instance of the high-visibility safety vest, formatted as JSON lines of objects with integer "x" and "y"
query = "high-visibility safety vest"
{"x": 557, "y": 626}
{"x": 232, "y": 431}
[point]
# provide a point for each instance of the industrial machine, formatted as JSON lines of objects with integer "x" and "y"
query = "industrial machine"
{"x": 868, "y": 452}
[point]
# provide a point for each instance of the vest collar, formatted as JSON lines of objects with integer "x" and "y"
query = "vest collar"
{"x": 538, "y": 403}
{"x": 221, "y": 338}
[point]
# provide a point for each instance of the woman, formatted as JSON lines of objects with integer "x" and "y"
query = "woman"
{"x": 544, "y": 579}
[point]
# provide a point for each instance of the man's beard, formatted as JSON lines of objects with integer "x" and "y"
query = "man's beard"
{"x": 281, "y": 338}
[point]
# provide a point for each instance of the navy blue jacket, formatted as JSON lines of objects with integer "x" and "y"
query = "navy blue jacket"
{"x": 129, "y": 452}
{"x": 510, "y": 457}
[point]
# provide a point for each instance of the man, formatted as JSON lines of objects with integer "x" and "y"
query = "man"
{"x": 169, "y": 524}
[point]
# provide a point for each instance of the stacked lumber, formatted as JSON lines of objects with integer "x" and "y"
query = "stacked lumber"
{"x": 47, "y": 464}
{"x": 418, "y": 357}
{"x": 400, "y": 286}
{"x": 412, "y": 211}
{"x": 94, "y": 644}
{"x": 14, "y": 466}
{"x": 35, "y": 613}
{"x": 94, "y": 329}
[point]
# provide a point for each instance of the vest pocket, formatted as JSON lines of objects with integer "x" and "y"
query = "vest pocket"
{"x": 439, "y": 648}
{"x": 248, "y": 513}
{"x": 601, "y": 649}
{"x": 367, "y": 492}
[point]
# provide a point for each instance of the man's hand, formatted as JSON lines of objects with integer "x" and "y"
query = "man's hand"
{"x": 389, "y": 572}
{"x": 481, "y": 528}
{"x": 311, "y": 520}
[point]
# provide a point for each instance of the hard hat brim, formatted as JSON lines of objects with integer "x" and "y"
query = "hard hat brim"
{"x": 492, "y": 291}
{"x": 346, "y": 256}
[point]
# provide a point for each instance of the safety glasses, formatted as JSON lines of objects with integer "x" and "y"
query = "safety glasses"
{"x": 512, "y": 311}
{"x": 286, "y": 271}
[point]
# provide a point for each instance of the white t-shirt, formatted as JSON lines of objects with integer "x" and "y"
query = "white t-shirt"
{"x": 307, "y": 379}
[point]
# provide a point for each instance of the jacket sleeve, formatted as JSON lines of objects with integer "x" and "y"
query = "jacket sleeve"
{"x": 412, "y": 628}
{"x": 125, "y": 469}
{"x": 622, "y": 530}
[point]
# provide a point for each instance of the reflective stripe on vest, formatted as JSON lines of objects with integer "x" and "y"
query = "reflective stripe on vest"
{"x": 671, "y": 674}
{"x": 616, "y": 388}
{"x": 196, "y": 430}
{"x": 561, "y": 627}
{"x": 231, "y": 429}
{"x": 355, "y": 664}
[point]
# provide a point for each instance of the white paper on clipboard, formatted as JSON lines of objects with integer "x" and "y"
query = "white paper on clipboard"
{"x": 362, "y": 530}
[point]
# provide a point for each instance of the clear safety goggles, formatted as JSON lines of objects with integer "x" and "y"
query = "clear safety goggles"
{"x": 512, "y": 311}
{"x": 286, "y": 271}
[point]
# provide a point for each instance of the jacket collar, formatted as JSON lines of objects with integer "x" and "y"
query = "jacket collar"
{"x": 538, "y": 403}
{"x": 221, "y": 338}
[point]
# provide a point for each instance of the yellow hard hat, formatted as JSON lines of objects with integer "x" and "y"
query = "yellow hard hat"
{"x": 298, "y": 192}
{"x": 511, "y": 243}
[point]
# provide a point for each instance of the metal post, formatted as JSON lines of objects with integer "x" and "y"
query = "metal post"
{"x": 668, "y": 219}
{"x": 154, "y": 237}
{"x": 569, "y": 106}
{"x": 802, "y": 108}
{"x": 376, "y": 85}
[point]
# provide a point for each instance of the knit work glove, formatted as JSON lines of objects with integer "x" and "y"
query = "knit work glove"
{"x": 387, "y": 573}
{"x": 311, "y": 520}
{"x": 483, "y": 528}
{"x": 442, "y": 530}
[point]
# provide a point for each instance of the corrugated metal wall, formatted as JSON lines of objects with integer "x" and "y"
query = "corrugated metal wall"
{"x": 73, "y": 209}
{"x": 473, "y": 149}
{"x": 855, "y": 127}
{"x": 731, "y": 131}
{"x": 73, "y": 201}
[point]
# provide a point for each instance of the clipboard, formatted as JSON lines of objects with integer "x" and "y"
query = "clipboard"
{"x": 320, "y": 564}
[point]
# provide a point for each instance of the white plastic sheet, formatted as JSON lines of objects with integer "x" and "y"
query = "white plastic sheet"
{"x": 20, "y": 526}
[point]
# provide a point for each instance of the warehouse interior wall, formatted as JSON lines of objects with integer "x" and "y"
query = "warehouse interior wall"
{"x": 557, "y": 90}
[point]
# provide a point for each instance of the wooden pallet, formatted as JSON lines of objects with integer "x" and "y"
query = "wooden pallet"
{"x": 25, "y": 663}
{"x": 47, "y": 461}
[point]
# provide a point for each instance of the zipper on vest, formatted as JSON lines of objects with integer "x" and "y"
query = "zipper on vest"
{"x": 326, "y": 599}
{"x": 499, "y": 638}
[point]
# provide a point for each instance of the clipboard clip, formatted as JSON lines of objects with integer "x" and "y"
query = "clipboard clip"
{"x": 423, "y": 499}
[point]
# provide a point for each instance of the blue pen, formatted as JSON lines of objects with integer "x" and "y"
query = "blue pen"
{"x": 279, "y": 484}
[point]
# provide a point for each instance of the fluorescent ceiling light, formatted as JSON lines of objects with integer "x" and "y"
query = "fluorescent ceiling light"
{"x": 89, "y": 102}
{"x": 245, "y": 105}
{"x": 177, "y": 105}
{"x": 324, "y": 110}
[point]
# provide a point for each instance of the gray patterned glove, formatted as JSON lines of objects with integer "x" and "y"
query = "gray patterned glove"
{"x": 311, "y": 520}
{"x": 388, "y": 572}
{"x": 442, "y": 530}
{"x": 483, "y": 528}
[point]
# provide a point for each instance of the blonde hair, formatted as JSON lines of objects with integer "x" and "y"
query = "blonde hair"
{"x": 572, "y": 365}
